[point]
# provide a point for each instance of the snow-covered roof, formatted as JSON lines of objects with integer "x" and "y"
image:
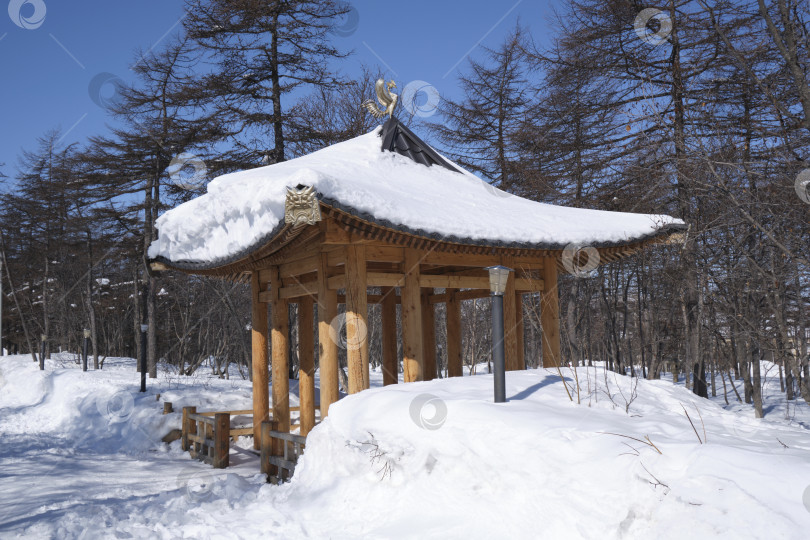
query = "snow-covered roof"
{"x": 244, "y": 210}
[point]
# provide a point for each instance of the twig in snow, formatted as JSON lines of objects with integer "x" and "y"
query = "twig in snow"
{"x": 693, "y": 425}
{"x": 783, "y": 444}
{"x": 646, "y": 440}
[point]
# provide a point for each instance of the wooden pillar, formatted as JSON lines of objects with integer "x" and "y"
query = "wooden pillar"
{"x": 550, "y": 314}
{"x": 356, "y": 318}
{"x": 306, "y": 359}
{"x": 327, "y": 347}
{"x": 279, "y": 341}
{"x": 412, "y": 358}
{"x": 428, "y": 336}
{"x": 510, "y": 321}
{"x": 259, "y": 361}
{"x": 454, "y": 360}
{"x": 389, "y": 336}
{"x": 519, "y": 331}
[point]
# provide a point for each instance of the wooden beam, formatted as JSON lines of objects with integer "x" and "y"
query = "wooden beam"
{"x": 454, "y": 359}
{"x": 306, "y": 358}
{"x": 412, "y": 357}
{"x": 428, "y": 335}
{"x": 509, "y": 321}
{"x": 385, "y": 254}
{"x": 279, "y": 340}
{"x": 379, "y": 279}
{"x": 519, "y": 334}
{"x": 389, "y": 336}
{"x": 301, "y": 266}
{"x": 550, "y": 315}
{"x": 259, "y": 333}
{"x": 372, "y": 298}
{"x": 356, "y": 318}
{"x": 454, "y": 282}
{"x": 337, "y": 282}
{"x": 300, "y": 289}
{"x": 327, "y": 347}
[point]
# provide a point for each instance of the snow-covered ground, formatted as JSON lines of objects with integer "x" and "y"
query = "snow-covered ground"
{"x": 81, "y": 457}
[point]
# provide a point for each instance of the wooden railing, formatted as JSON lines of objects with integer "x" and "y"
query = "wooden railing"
{"x": 279, "y": 452}
{"x": 207, "y": 437}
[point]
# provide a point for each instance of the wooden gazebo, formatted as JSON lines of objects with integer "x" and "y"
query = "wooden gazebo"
{"x": 383, "y": 211}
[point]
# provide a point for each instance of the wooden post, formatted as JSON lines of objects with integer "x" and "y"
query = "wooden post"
{"x": 550, "y": 314}
{"x": 222, "y": 431}
{"x": 519, "y": 332}
{"x": 265, "y": 445}
{"x": 189, "y": 427}
{"x": 389, "y": 336}
{"x": 356, "y": 318}
{"x": 428, "y": 335}
{"x": 509, "y": 321}
{"x": 306, "y": 358}
{"x": 454, "y": 360}
{"x": 261, "y": 375}
{"x": 279, "y": 341}
{"x": 167, "y": 407}
{"x": 412, "y": 357}
{"x": 327, "y": 347}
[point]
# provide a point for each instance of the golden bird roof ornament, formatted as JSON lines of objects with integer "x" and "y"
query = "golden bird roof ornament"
{"x": 387, "y": 99}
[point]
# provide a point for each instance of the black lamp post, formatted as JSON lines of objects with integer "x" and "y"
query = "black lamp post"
{"x": 144, "y": 329}
{"x": 44, "y": 340}
{"x": 498, "y": 277}
{"x": 84, "y": 348}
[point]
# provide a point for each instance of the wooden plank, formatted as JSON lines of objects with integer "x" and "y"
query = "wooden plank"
{"x": 337, "y": 282}
{"x": 327, "y": 347}
{"x": 519, "y": 331}
{"x": 259, "y": 361}
{"x": 509, "y": 322}
{"x": 428, "y": 336}
{"x": 454, "y": 282}
{"x": 412, "y": 356}
{"x": 372, "y": 299}
{"x": 306, "y": 358}
{"x": 529, "y": 285}
{"x": 302, "y": 266}
{"x": 379, "y": 279}
{"x": 333, "y": 233}
{"x": 298, "y": 290}
{"x": 385, "y": 254}
{"x": 279, "y": 338}
{"x": 356, "y": 318}
{"x": 222, "y": 432}
{"x": 550, "y": 316}
{"x": 454, "y": 351}
{"x": 389, "y": 336}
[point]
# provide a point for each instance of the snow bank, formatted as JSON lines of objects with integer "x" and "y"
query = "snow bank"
{"x": 241, "y": 208}
{"x": 427, "y": 460}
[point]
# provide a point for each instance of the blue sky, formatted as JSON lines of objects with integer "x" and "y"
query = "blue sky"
{"x": 47, "y": 69}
